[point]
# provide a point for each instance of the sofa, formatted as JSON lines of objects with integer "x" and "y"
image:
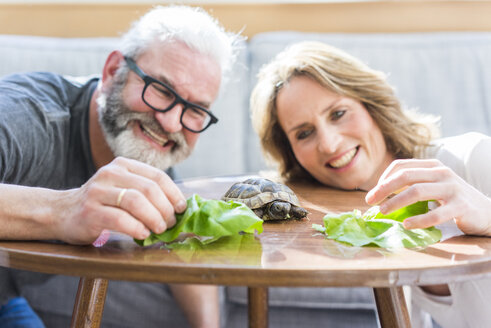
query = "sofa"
{"x": 443, "y": 73}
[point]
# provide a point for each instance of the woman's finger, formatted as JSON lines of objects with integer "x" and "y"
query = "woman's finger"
{"x": 402, "y": 179}
{"x": 401, "y": 164}
{"x": 440, "y": 192}
{"x": 432, "y": 218}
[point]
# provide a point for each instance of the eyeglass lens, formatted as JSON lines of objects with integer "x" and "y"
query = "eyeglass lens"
{"x": 161, "y": 98}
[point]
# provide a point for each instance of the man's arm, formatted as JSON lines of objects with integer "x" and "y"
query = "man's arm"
{"x": 79, "y": 215}
{"x": 25, "y": 212}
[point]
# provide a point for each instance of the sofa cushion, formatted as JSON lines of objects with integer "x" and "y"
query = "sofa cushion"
{"x": 67, "y": 56}
{"x": 311, "y": 297}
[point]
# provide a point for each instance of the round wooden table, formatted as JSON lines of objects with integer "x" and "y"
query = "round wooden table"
{"x": 287, "y": 253}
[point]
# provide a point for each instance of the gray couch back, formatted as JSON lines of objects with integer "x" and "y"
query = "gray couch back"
{"x": 447, "y": 74}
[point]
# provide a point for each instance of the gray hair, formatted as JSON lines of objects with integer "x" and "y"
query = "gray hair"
{"x": 190, "y": 25}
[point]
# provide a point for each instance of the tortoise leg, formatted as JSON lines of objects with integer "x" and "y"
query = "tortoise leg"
{"x": 298, "y": 212}
{"x": 259, "y": 212}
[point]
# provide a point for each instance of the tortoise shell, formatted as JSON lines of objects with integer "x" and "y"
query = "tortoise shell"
{"x": 259, "y": 193}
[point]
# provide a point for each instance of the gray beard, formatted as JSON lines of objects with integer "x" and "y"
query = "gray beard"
{"x": 117, "y": 121}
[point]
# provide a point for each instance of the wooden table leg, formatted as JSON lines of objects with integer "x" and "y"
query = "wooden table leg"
{"x": 258, "y": 307}
{"x": 89, "y": 303}
{"x": 391, "y": 307}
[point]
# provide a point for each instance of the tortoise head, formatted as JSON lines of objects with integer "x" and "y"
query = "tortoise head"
{"x": 278, "y": 210}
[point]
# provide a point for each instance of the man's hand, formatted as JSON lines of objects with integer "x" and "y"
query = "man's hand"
{"x": 148, "y": 199}
{"x": 412, "y": 180}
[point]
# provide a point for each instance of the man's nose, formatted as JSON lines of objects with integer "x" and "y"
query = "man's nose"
{"x": 171, "y": 120}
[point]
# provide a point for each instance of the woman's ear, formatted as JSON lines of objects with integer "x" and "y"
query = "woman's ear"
{"x": 113, "y": 62}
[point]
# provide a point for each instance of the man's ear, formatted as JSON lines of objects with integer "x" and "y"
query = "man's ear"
{"x": 113, "y": 62}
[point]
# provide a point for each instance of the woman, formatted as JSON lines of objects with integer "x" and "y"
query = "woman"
{"x": 323, "y": 115}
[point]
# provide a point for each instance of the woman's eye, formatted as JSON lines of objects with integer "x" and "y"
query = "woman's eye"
{"x": 337, "y": 114}
{"x": 303, "y": 134}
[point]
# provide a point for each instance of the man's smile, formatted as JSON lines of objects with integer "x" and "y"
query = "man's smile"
{"x": 159, "y": 139}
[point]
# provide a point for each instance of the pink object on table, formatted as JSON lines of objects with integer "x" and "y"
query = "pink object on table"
{"x": 102, "y": 239}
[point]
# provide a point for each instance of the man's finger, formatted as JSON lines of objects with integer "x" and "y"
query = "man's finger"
{"x": 168, "y": 187}
{"x": 136, "y": 204}
{"x": 116, "y": 219}
{"x": 139, "y": 206}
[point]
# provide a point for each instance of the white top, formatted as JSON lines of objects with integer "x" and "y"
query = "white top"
{"x": 468, "y": 155}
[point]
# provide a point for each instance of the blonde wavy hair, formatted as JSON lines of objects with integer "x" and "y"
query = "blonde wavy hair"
{"x": 406, "y": 133}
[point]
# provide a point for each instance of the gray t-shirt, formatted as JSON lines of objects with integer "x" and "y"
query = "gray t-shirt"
{"x": 44, "y": 140}
{"x": 44, "y": 135}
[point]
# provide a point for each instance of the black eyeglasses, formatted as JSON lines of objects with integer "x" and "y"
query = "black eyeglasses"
{"x": 162, "y": 98}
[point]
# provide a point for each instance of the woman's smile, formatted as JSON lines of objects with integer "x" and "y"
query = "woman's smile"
{"x": 344, "y": 160}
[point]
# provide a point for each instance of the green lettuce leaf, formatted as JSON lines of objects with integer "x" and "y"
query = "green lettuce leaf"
{"x": 209, "y": 220}
{"x": 376, "y": 229}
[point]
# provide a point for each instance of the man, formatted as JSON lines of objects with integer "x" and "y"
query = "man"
{"x": 77, "y": 158}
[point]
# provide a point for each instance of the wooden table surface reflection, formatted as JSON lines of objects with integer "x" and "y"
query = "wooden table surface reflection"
{"x": 287, "y": 253}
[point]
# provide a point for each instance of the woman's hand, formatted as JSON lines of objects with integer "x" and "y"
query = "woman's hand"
{"x": 412, "y": 180}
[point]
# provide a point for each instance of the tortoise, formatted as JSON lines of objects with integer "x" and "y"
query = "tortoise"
{"x": 269, "y": 200}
